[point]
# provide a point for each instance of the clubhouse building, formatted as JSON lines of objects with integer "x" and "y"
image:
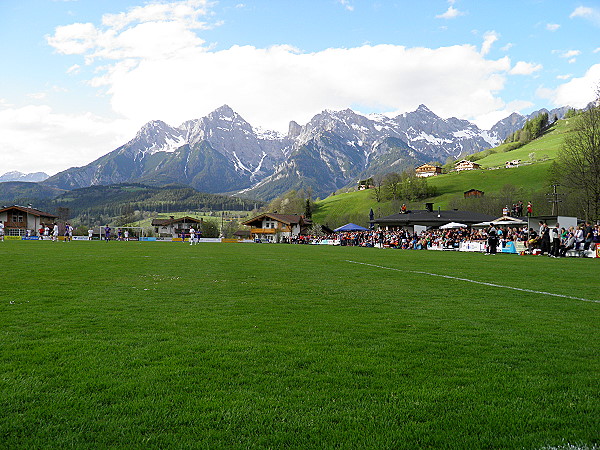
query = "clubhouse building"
{"x": 18, "y": 219}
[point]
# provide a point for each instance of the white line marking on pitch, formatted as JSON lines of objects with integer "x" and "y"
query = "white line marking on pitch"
{"x": 475, "y": 282}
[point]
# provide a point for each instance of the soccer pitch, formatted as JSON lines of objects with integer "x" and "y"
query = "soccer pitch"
{"x": 162, "y": 345}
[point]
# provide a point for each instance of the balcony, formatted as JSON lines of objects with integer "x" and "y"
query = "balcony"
{"x": 263, "y": 230}
{"x": 8, "y": 224}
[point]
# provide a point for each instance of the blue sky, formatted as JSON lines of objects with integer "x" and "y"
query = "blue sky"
{"x": 80, "y": 77}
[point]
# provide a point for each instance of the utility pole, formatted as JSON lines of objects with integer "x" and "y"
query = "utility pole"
{"x": 554, "y": 199}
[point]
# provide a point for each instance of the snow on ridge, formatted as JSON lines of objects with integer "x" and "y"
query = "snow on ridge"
{"x": 490, "y": 138}
{"x": 267, "y": 135}
{"x": 422, "y": 136}
{"x": 239, "y": 165}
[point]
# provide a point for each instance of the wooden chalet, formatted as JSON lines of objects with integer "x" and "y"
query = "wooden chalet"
{"x": 366, "y": 184}
{"x": 427, "y": 170}
{"x": 272, "y": 227}
{"x": 173, "y": 227}
{"x": 473, "y": 193}
{"x": 18, "y": 219}
{"x": 512, "y": 164}
{"x": 466, "y": 165}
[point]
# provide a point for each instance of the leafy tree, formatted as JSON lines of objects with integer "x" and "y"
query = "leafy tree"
{"x": 209, "y": 229}
{"x": 292, "y": 202}
{"x": 393, "y": 185}
{"x": 378, "y": 188}
{"x": 308, "y": 209}
{"x": 578, "y": 164}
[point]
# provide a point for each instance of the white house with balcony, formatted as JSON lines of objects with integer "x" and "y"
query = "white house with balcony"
{"x": 277, "y": 227}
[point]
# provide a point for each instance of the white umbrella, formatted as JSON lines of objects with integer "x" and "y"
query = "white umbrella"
{"x": 453, "y": 225}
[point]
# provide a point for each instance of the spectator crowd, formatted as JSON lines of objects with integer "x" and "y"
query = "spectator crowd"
{"x": 552, "y": 241}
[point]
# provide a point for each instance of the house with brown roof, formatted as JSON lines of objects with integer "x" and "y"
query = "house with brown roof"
{"x": 271, "y": 227}
{"x": 173, "y": 227}
{"x": 18, "y": 219}
{"x": 427, "y": 170}
{"x": 473, "y": 193}
{"x": 466, "y": 165}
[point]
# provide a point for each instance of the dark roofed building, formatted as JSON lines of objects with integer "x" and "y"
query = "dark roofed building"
{"x": 430, "y": 218}
{"x": 473, "y": 193}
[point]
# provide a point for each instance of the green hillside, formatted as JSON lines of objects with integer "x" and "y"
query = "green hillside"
{"x": 529, "y": 181}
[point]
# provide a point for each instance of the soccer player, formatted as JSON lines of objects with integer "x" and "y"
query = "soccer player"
{"x": 1, "y": 231}
{"x": 55, "y": 232}
{"x": 90, "y": 234}
{"x": 107, "y": 233}
{"x": 192, "y": 235}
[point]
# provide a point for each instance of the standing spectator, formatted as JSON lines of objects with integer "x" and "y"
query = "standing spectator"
{"x": 492, "y": 240}
{"x": 1, "y": 231}
{"x": 529, "y": 209}
{"x": 554, "y": 234}
{"x": 545, "y": 238}
{"x": 588, "y": 235}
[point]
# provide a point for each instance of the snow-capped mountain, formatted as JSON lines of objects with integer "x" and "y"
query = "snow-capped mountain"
{"x": 223, "y": 153}
{"x": 20, "y": 176}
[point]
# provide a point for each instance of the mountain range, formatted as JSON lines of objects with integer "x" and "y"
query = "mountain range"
{"x": 25, "y": 177}
{"x": 222, "y": 153}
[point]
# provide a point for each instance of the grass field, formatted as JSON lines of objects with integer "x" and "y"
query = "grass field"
{"x": 166, "y": 345}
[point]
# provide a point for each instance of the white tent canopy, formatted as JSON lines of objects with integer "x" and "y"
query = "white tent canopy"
{"x": 453, "y": 225}
{"x": 501, "y": 221}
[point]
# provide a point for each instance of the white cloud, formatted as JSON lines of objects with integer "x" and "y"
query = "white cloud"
{"x": 66, "y": 140}
{"x": 597, "y": 50}
{"x": 37, "y": 95}
{"x": 564, "y": 77}
{"x": 158, "y": 68}
{"x": 346, "y": 4}
{"x": 577, "y": 92}
{"x": 591, "y": 14}
{"x": 489, "y": 119}
{"x": 507, "y": 47}
{"x": 451, "y": 13}
{"x": 525, "y": 68}
{"x": 489, "y": 37}
{"x": 568, "y": 54}
{"x": 74, "y": 69}
{"x": 271, "y": 86}
{"x": 552, "y": 26}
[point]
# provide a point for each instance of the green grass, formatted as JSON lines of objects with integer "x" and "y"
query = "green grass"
{"x": 162, "y": 345}
{"x": 546, "y": 147}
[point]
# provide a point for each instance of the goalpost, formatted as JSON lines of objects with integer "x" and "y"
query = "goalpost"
{"x": 127, "y": 233}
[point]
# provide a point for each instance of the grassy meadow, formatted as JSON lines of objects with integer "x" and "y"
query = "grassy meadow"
{"x": 167, "y": 345}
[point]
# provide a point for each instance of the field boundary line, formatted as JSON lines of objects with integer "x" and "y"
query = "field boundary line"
{"x": 476, "y": 282}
